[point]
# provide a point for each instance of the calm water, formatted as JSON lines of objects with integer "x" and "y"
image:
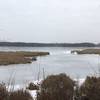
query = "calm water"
{"x": 59, "y": 61}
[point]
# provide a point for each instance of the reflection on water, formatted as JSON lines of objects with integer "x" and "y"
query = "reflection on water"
{"x": 60, "y": 61}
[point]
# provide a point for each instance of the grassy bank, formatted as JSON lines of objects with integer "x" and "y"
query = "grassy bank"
{"x": 87, "y": 51}
{"x": 19, "y": 57}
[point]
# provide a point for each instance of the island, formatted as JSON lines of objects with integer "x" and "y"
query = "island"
{"x": 87, "y": 51}
{"x": 19, "y": 57}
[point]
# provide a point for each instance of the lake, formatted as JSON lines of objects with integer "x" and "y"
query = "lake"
{"x": 60, "y": 60}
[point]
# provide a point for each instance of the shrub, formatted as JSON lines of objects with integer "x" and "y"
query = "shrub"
{"x": 15, "y": 95}
{"x": 20, "y": 95}
{"x": 56, "y": 87}
{"x": 91, "y": 88}
{"x": 3, "y": 92}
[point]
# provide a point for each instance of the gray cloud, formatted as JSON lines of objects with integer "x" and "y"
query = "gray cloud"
{"x": 50, "y": 20}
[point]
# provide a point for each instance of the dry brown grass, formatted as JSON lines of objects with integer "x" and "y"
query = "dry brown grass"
{"x": 87, "y": 51}
{"x": 20, "y": 57}
{"x": 15, "y": 95}
{"x": 20, "y": 95}
{"x": 3, "y": 92}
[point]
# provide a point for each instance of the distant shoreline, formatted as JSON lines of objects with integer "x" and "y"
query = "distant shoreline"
{"x": 24, "y": 44}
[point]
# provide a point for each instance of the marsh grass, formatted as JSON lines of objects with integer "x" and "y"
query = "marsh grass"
{"x": 3, "y": 92}
{"x": 87, "y": 51}
{"x": 19, "y": 57}
{"x": 20, "y": 95}
{"x": 14, "y": 95}
{"x": 57, "y": 87}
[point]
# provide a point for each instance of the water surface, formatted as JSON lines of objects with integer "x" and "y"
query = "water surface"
{"x": 60, "y": 60}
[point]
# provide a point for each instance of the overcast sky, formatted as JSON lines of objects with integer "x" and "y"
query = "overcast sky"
{"x": 50, "y": 20}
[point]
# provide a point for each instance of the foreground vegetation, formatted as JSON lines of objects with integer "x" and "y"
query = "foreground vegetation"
{"x": 19, "y": 57}
{"x": 14, "y": 95}
{"x": 87, "y": 51}
{"x": 57, "y": 87}
{"x": 90, "y": 89}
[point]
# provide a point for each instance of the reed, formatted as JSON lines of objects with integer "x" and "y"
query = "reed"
{"x": 19, "y": 57}
{"x": 87, "y": 51}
